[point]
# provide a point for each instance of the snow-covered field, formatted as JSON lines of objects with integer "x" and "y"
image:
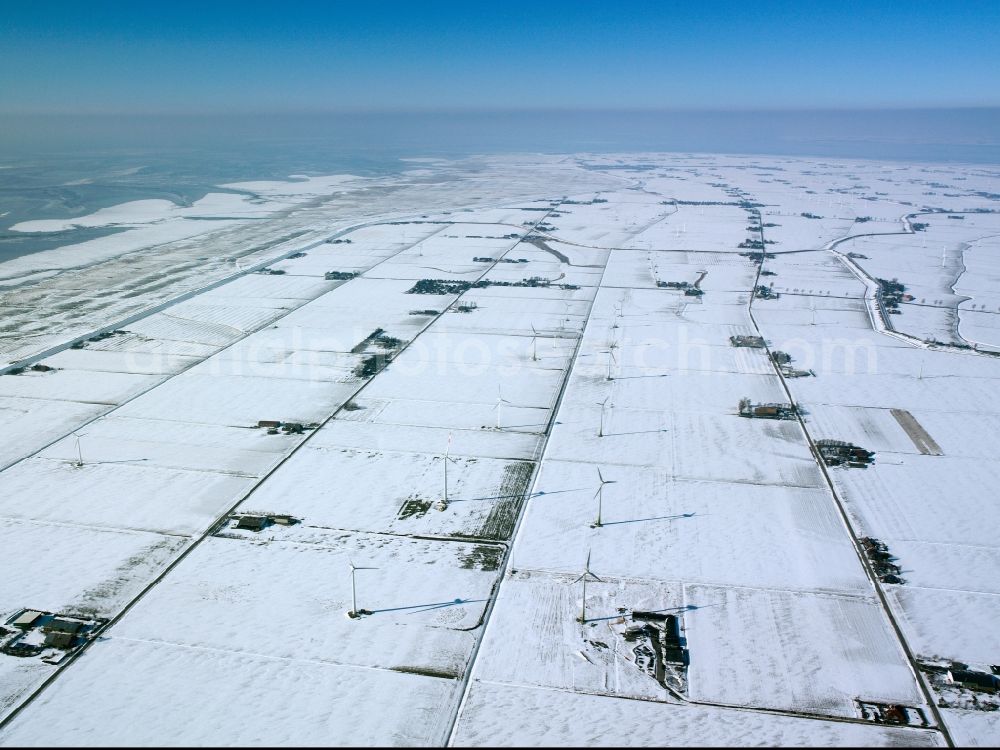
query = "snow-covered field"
{"x": 550, "y": 336}
{"x": 516, "y": 716}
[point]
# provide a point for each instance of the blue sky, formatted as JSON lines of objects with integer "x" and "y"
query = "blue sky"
{"x": 221, "y": 56}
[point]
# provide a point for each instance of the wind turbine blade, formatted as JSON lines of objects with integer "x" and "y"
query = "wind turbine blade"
{"x": 600, "y": 475}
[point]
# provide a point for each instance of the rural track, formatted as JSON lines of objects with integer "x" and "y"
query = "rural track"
{"x": 873, "y": 297}
{"x": 196, "y": 541}
{"x": 507, "y": 556}
{"x": 112, "y": 408}
{"x": 676, "y": 695}
{"x": 380, "y": 220}
{"x": 852, "y": 532}
{"x": 683, "y": 700}
{"x": 167, "y": 304}
{"x": 505, "y": 564}
{"x": 931, "y": 705}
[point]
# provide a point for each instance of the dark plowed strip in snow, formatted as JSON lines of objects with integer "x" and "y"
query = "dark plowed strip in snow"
{"x": 923, "y": 442}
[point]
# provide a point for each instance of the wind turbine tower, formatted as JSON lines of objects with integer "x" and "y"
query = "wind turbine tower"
{"x": 600, "y": 496}
{"x": 586, "y": 574}
{"x": 600, "y": 431}
{"x": 442, "y": 504}
{"x": 355, "y": 613}
{"x": 500, "y": 400}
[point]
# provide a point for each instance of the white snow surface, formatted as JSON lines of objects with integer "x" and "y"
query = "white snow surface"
{"x": 559, "y": 355}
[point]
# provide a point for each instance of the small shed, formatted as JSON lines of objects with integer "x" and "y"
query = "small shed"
{"x": 269, "y": 423}
{"x": 671, "y": 633}
{"x": 639, "y": 614}
{"x": 27, "y": 619}
{"x": 754, "y": 342}
{"x": 59, "y": 625}
{"x": 57, "y": 639}
{"x": 632, "y": 632}
{"x": 675, "y": 655}
{"x": 252, "y": 523}
{"x": 974, "y": 680}
{"x": 896, "y": 714}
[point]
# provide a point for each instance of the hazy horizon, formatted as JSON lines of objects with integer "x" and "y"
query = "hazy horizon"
{"x": 921, "y": 134}
{"x": 109, "y": 102}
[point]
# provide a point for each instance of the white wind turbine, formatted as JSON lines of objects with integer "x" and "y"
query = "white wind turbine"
{"x": 586, "y": 574}
{"x": 500, "y": 400}
{"x": 355, "y": 613}
{"x": 600, "y": 496}
{"x": 443, "y": 503}
{"x": 600, "y": 431}
{"x": 79, "y": 453}
{"x": 534, "y": 344}
{"x": 611, "y": 359}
